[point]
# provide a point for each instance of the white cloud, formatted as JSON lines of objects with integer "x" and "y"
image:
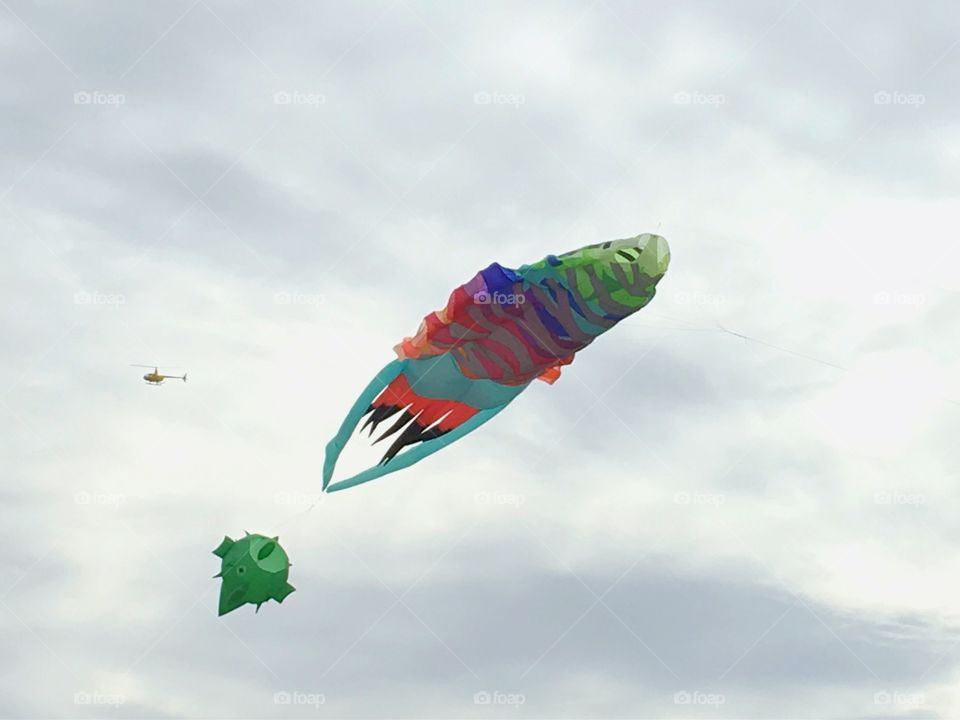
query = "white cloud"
{"x": 718, "y": 483}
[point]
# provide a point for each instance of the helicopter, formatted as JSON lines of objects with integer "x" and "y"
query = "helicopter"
{"x": 157, "y": 378}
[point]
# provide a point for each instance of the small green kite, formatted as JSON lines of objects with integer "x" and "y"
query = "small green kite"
{"x": 254, "y": 569}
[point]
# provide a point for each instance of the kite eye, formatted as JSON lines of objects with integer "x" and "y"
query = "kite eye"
{"x": 241, "y": 570}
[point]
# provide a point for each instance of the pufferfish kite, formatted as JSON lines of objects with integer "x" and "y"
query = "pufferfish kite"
{"x": 499, "y": 332}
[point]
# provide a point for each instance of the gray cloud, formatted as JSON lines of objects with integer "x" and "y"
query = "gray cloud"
{"x": 786, "y": 526}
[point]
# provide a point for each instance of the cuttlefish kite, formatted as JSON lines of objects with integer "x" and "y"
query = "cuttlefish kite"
{"x": 498, "y": 333}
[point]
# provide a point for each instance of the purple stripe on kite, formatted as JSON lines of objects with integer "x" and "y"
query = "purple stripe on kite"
{"x": 499, "y": 279}
{"x": 552, "y": 325}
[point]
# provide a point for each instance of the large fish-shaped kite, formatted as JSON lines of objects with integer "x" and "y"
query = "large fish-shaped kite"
{"x": 498, "y": 332}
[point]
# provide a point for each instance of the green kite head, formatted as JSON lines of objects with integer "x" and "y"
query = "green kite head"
{"x": 254, "y": 569}
{"x": 626, "y": 270}
{"x": 647, "y": 253}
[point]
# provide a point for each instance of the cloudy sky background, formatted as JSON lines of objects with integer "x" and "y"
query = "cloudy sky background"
{"x": 688, "y": 523}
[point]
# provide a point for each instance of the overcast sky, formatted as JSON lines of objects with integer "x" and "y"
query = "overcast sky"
{"x": 688, "y": 523}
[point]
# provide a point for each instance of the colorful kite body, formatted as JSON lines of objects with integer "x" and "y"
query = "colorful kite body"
{"x": 497, "y": 333}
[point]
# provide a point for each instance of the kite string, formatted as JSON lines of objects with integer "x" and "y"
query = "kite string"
{"x": 320, "y": 499}
{"x": 692, "y": 325}
{"x": 805, "y": 356}
{"x": 782, "y": 349}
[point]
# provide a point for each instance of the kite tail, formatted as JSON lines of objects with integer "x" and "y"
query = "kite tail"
{"x": 418, "y": 453}
{"x": 433, "y": 404}
{"x": 359, "y": 409}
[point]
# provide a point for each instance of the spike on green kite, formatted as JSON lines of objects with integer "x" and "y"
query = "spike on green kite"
{"x": 254, "y": 570}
